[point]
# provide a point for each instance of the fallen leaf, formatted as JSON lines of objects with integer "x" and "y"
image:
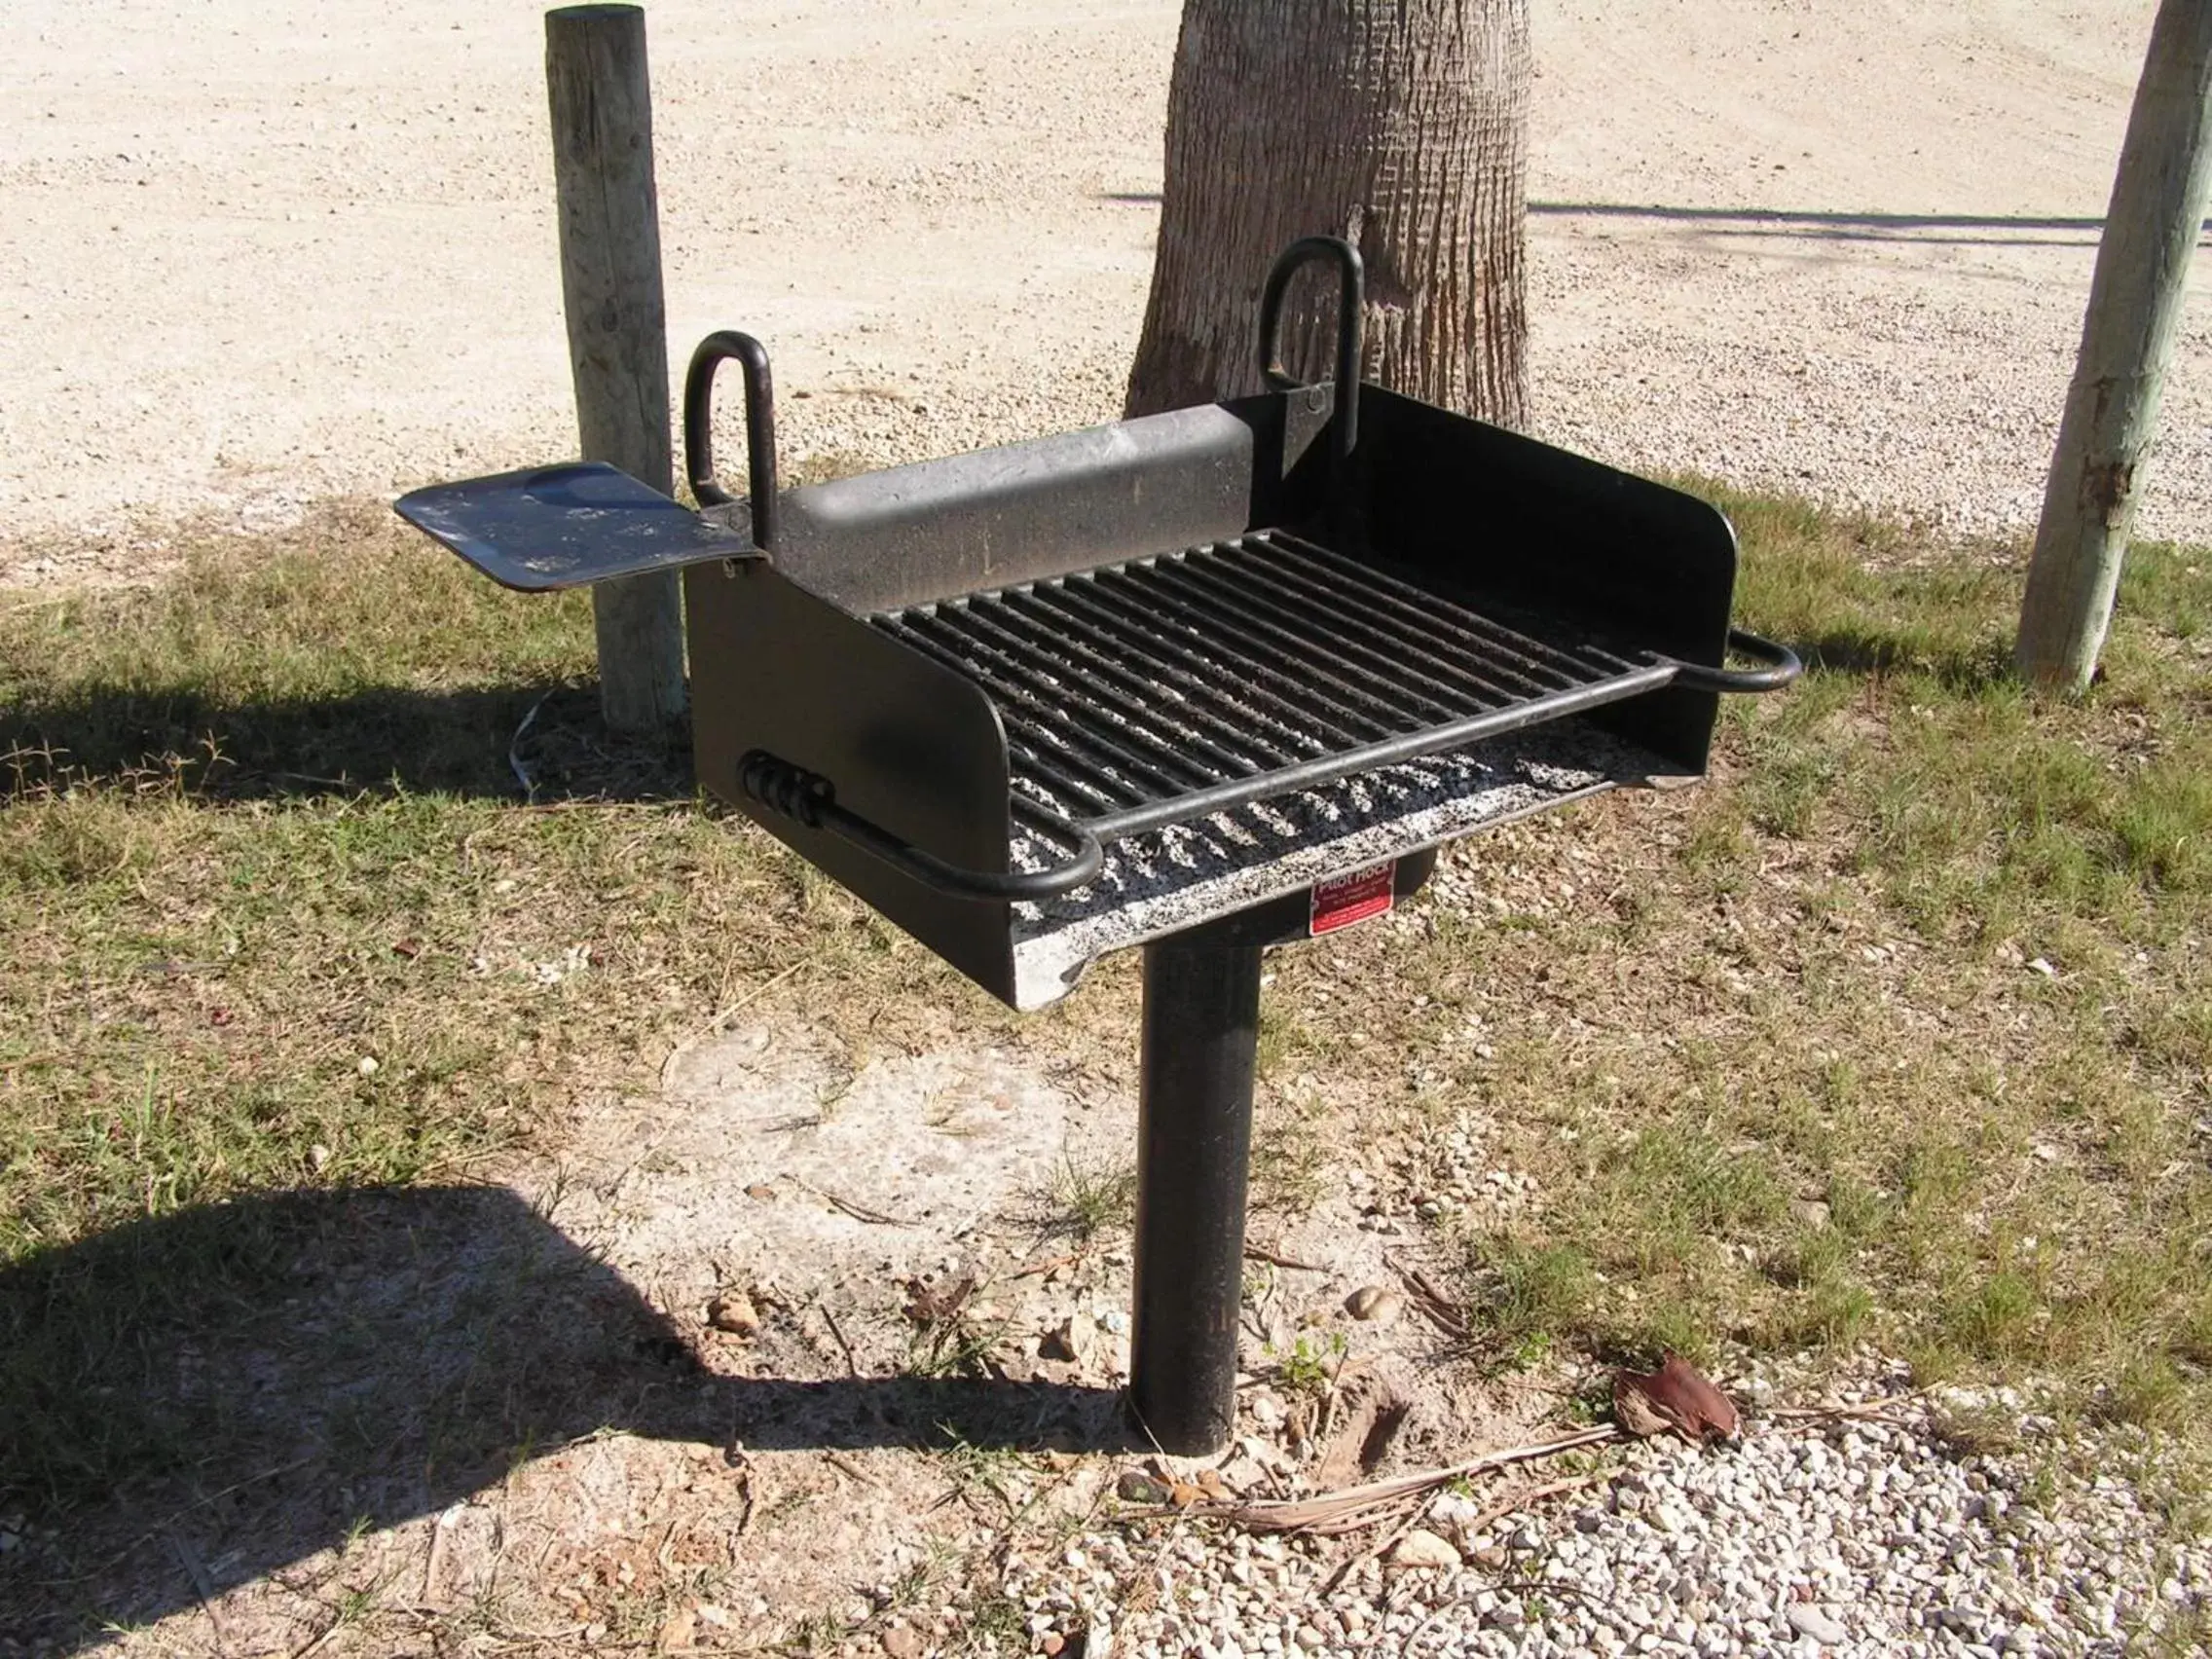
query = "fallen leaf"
{"x": 927, "y": 1305}
{"x": 1636, "y": 1414}
{"x": 1353, "y": 1507}
{"x": 1677, "y": 1397}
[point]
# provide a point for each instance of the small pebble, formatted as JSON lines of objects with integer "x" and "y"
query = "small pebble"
{"x": 1423, "y": 1548}
{"x": 1806, "y": 1619}
{"x": 1375, "y": 1305}
{"x": 733, "y": 1311}
{"x": 1137, "y": 1487}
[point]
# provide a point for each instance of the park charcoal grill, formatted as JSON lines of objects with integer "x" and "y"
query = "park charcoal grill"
{"x": 1207, "y": 682}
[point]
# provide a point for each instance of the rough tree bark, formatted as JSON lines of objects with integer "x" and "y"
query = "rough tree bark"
{"x": 1399, "y": 124}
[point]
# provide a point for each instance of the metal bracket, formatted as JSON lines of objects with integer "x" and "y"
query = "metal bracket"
{"x": 811, "y": 799}
{"x": 759, "y": 428}
{"x": 1352, "y": 329}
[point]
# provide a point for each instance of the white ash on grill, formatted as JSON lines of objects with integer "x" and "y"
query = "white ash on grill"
{"x": 1165, "y": 880}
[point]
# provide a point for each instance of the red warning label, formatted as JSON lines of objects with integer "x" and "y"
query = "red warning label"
{"x": 1344, "y": 899}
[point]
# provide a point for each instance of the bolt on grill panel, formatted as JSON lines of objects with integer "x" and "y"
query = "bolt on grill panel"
{"x": 1165, "y": 688}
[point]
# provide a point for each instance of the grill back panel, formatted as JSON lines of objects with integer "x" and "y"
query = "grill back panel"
{"x": 1501, "y": 518}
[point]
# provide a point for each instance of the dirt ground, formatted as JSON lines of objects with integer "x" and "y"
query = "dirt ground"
{"x": 928, "y": 1330}
{"x": 256, "y": 253}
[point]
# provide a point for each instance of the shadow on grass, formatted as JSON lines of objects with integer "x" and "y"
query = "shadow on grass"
{"x": 467, "y": 741}
{"x": 193, "y": 1402}
{"x": 1878, "y": 651}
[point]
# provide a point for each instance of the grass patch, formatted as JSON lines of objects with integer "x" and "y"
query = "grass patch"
{"x": 278, "y": 918}
{"x": 1090, "y": 1196}
{"x": 1526, "y": 1293}
{"x": 1899, "y": 1031}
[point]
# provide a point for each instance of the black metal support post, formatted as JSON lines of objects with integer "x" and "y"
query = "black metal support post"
{"x": 1202, "y": 1021}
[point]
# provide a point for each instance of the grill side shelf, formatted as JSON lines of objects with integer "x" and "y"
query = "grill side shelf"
{"x": 570, "y": 525}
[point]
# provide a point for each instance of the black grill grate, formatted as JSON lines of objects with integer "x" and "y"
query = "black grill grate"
{"x": 1166, "y": 688}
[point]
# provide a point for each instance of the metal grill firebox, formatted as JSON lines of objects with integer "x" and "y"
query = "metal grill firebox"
{"x": 1204, "y": 682}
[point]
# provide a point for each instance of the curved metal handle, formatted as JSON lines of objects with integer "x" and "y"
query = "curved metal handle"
{"x": 1352, "y": 327}
{"x": 1783, "y": 667}
{"x": 759, "y": 428}
{"x": 812, "y": 800}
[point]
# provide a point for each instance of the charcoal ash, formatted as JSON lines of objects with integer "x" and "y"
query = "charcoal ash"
{"x": 1165, "y": 880}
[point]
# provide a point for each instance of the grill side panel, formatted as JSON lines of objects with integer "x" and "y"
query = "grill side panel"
{"x": 1499, "y": 517}
{"x": 917, "y": 750}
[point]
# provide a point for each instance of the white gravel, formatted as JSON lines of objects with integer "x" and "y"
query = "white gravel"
{"x": 1840, "y": 249}
{"x": 1845, "y": 1539}
{"x": 255, "y": 252}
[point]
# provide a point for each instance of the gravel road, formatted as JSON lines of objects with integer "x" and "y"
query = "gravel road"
{"x": 257, "y": 252}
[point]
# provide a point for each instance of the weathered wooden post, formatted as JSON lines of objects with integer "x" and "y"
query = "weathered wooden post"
{"x": 602, "y": 168}
{"x": 2112, "y": 409}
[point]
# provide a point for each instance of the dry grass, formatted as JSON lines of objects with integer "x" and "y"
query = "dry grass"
{"x": 276, "y": 917}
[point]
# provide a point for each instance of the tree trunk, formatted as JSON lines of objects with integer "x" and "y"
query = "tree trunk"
{"x": 1399, "y": 124}
{"x": 2151, "y": 229}
{"x": 610, "y": 223}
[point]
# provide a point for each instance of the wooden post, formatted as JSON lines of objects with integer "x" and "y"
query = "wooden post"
{"x": 2112, "y": 409}
{"x": 603, "y": 171}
